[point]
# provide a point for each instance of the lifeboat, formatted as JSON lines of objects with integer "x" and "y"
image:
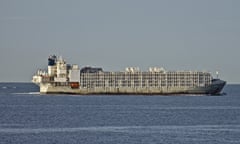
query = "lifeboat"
{"x": 74, "y": 85}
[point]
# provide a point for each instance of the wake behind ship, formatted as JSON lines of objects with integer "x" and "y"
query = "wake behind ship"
{"x": 70, "y": 79}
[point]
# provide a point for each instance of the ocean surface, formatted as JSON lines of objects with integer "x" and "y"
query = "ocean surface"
{"x": 27, "y": 117}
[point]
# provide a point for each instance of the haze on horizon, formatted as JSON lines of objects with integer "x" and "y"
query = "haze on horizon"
{"x": 174, "y": 34}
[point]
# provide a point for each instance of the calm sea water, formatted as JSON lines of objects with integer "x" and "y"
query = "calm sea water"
{"x": 26, "y": 117}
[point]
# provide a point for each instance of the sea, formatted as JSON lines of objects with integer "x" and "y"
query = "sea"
{"x": 28, "y": 117}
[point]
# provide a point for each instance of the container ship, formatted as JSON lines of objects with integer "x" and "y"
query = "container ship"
{"x": 63, "y": 78}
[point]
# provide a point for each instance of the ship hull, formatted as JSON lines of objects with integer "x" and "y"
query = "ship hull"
{"x": 213, "y": 89}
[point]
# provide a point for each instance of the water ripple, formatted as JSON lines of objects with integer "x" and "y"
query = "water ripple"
{"x": 128, "y": 129}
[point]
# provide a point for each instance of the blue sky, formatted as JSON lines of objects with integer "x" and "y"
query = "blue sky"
{"x": 114, "y": 34}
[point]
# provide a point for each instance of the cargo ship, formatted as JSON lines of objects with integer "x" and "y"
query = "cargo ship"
{"x": 63, "y": 78}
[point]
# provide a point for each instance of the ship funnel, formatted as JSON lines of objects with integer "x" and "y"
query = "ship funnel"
{"x": 52, "y": 60}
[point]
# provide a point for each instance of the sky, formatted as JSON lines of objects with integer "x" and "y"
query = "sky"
{"x": 199, "y": 35}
